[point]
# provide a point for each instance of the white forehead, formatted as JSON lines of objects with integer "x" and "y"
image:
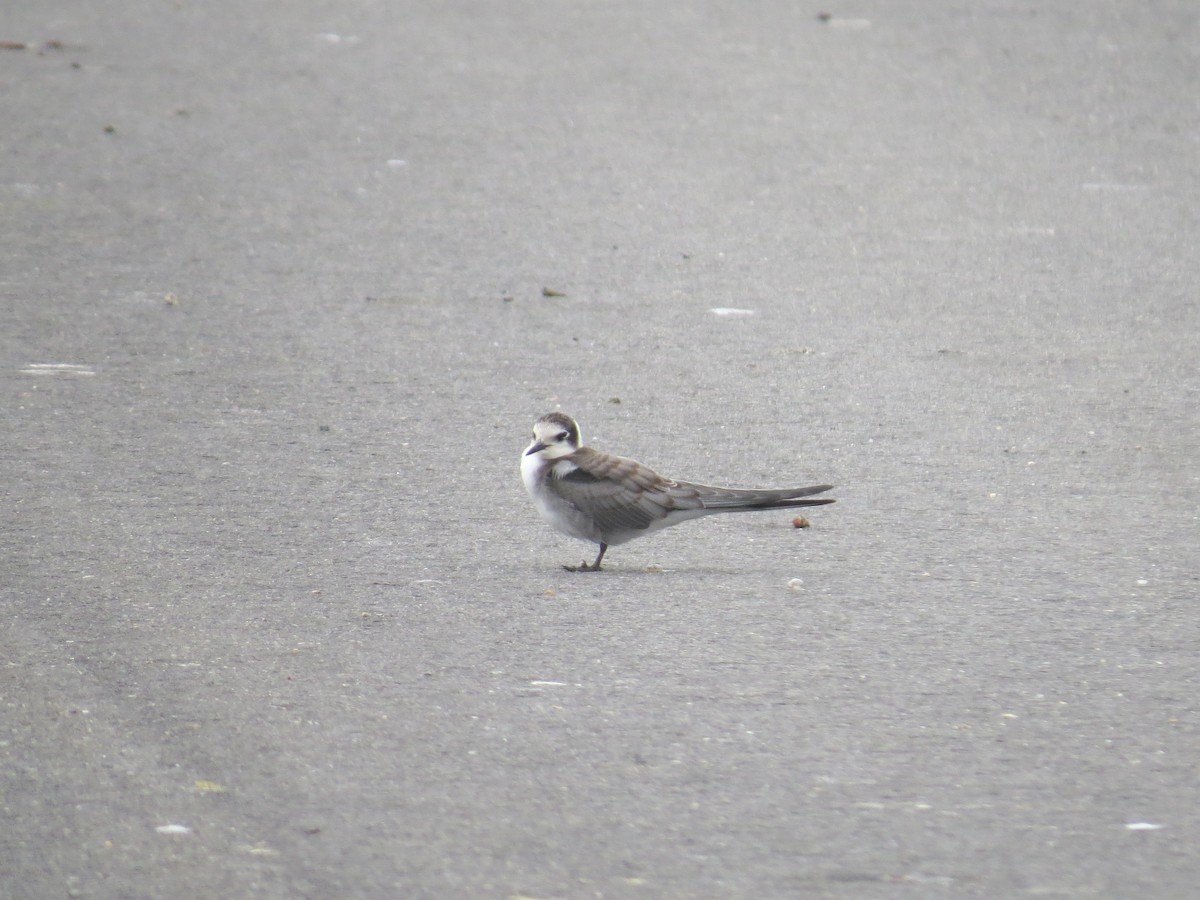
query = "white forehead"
{"x": 548, "y": 429}
{"x": 545, "y": 430}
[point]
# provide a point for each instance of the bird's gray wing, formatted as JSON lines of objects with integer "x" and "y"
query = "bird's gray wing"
{"x": 620, "y": 494}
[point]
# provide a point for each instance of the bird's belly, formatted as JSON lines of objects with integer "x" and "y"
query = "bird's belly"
{"x": 567, "y": 518}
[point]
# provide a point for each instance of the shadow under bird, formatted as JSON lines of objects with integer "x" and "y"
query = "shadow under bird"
{"x": 608, "y": 499}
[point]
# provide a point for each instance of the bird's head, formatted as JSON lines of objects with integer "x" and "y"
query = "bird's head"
{"x": 554, "y": 435}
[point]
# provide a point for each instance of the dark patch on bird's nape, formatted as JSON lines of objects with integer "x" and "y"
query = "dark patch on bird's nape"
{"x": 566, "y": 423}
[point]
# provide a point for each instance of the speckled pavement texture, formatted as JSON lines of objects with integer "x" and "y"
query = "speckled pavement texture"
{"x": 283, "y": 287}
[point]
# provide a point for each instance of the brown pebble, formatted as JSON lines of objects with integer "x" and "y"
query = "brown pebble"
{"x": 801, "y": 522}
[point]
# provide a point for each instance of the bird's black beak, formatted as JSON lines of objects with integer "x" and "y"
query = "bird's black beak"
{"x": 535, "y": 447}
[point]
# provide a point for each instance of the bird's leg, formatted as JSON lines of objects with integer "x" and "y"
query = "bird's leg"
{"x": 584, "y": 567}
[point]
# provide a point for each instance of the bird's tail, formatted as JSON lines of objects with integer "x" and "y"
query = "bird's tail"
{"x": 731, "y": 500}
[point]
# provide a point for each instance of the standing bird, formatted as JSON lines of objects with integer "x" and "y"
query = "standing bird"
{"x": 608, "y": 499}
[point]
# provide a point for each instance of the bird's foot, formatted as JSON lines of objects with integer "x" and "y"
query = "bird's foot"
{"x": 594, "y": 567}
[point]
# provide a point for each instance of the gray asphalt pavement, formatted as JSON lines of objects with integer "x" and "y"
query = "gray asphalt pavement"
{"x": 279, "y": 620}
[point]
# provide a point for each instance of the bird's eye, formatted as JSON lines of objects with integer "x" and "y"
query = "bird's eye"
{"x": 561, "y": 436}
